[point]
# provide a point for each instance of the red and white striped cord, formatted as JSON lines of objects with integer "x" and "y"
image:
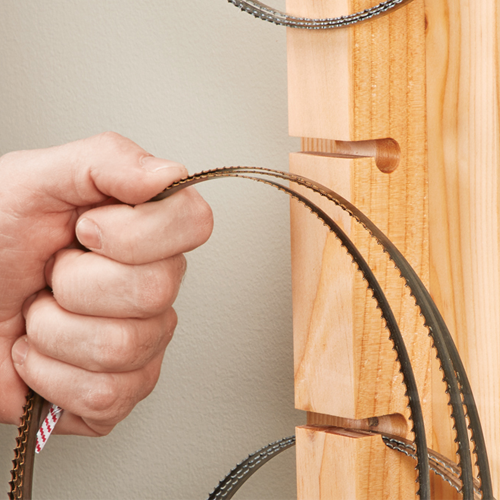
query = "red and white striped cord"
{"x": 47, "y": 427}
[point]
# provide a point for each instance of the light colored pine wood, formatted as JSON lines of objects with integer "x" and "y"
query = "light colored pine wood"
{"x": 395, "y": 202}
{"x": 330, "y": 357}
{"x": 463, "y": 82}
{"x": 385, "y": 152}
{"x": 319, "y": 450}
{"x": 339, "y": 372}
{"x": 322, "y": 305}
{"x": 364, "y": 83}
{"x": 318, "y": 74}
{"x": 388, "y": 100}
{"x": 379, "y": 70}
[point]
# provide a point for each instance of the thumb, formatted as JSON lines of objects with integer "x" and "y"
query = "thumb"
{"x": 89, "y": 171}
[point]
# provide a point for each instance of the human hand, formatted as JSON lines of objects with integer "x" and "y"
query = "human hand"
{"x": 95, "y": 345}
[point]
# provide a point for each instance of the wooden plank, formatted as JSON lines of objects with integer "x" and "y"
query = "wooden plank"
{"x": 463, "y": 82}
{"x": 396, "y": 202}
{"x": 383, "y": 81}
{"x": 322, "y": 305}
{"x": 328, "y": 352}
{"x": 319, "y": 85}
{"x": 388, "y": 66}
{"x": 362, "y": 83}
{"x": 336, "y": 371}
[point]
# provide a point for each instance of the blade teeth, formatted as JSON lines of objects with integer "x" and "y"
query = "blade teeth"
{"x": 18, "y": 463}
{"x": 322, "y": 192}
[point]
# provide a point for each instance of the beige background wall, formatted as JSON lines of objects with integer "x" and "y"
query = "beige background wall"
{"x": 202, "y": 83}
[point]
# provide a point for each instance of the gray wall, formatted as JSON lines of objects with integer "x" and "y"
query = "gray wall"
{"x": 204, "y": 84}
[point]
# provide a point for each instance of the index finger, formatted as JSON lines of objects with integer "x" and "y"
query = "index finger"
{"x": 86, "y": 172}
{"x": 148, "y": 232}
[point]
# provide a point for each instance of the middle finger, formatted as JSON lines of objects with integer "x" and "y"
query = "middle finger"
{"x": 90, "y": 284}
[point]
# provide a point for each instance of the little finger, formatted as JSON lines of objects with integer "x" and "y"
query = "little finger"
{"x": 101, "y": 399}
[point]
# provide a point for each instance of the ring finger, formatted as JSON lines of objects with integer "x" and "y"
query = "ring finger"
{"x": 93, "y": 343}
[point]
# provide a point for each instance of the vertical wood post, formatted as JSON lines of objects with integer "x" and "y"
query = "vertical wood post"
{"x": 464, "y": 147}
{"x": 426, "y": 76}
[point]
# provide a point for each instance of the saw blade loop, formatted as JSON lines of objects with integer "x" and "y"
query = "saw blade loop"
{"x": 378, "y": 295}
{"x": 434, "y": 325}
{"x": 450, "y": 362}
{"x": 446, "y": 352}
{"x": 264, "y": 12}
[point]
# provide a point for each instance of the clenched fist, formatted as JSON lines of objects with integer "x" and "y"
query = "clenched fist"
{"x": 94, "y": 343}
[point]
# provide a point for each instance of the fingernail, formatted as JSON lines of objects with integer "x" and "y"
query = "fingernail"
{"x": 20, "y": 350}
{"x": 89, "y": 234}
{"x": 152, "y": 164}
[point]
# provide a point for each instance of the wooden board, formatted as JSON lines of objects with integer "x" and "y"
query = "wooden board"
{"x": 463, "y": 123}
{"x": 363, "y": 83}
{"x": 433, "y": 64}
{"x": 396, "y": 202}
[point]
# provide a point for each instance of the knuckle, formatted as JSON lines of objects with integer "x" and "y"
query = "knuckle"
{"x": 172, "y": 319}
{"x": 154, "y": 292}
{"x": 182, "y": 265}
{"x": 103, "y": 397}
{"x": 148, "y": 387}
{"x": 113, "y": 396}
{"x": 11, "y": 157}
{"x": 149, "y": 383}
{"x": 102, "y": 430}
{"x": 202, "y": 215}
{"x": 170, "y": 324}
{"x": 118, "y": 349}
{"x": 118, "y": 144}
{"x": 110, "y": 139}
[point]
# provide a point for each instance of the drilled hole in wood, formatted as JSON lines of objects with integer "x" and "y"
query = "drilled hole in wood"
{"x": 386, "y": 152}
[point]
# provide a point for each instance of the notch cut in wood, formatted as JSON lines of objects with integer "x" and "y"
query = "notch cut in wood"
{"x": 355, "y": 85}
{"x": 394, "y": 424}
{"x": 353, "y": 477}
{"x": 386, "y": 152}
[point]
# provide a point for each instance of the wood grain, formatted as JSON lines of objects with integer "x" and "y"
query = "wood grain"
{"x": 395, "y": 202}
{"x": 463, "y": 83}
{"x": 364, "y": 83}
{"x": 388, "y": 66}
{"x": 319, "y": 452}
{"x": 370, "y": 82}
{"x": 319, "y": 84}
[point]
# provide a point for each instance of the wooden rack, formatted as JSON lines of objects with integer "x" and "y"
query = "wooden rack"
{"x": 427, "y": 77}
